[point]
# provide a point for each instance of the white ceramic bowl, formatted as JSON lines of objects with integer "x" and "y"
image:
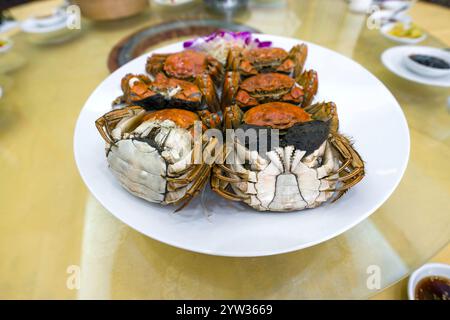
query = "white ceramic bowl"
{"x": 388, "y": 26}
{"x": 427, "y": 270}
{"x": 428, "y": 71}
{"x": 48, "y": 34}
{"x": 57, "y": 17}
{"x": 393, "y": 5}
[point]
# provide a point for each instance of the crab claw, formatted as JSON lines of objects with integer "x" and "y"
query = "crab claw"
{"x": 325, "y": 111}
{"x": 298, "y": 55}
{"x": 310, "y": 83}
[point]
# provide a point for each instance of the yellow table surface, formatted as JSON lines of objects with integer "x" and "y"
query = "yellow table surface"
{"x": 51, "y": 227}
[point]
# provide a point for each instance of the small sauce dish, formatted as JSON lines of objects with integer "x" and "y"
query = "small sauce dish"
{"x": 429, "y": 63}
{"x": 387, "y": 29}
{"x": 5, "y": 45}
{"x": 432, "y": 279}
{"x": 57, "y": 17}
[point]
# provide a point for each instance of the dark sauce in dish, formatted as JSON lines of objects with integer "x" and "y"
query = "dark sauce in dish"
{"x": 430, "y": 61}
{"x": 433, "y": 288}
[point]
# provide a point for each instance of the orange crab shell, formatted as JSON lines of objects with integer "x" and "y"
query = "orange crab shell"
{"x": 277, "y": 115}
{"x": 139, "y": 88}
{"x": 265, "y": 55}
{"x": 189, "y": 91}
{"x": 182, "y": 118}
{"x": 267, "y": 82}
{"x": 186, "y": 64}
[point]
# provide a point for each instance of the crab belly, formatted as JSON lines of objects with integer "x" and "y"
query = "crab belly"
{"x": 139, "y": 168}
{"x": 287, "y": 194}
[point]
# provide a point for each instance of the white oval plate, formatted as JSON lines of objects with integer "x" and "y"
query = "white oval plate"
{"x": 393, "y": 59}
{"x": 368, "y": 113}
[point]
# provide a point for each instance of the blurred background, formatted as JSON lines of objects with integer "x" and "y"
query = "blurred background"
{"x": 54, "y": 53}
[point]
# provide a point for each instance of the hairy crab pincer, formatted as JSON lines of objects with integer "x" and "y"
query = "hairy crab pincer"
{"x": 312, "y": 164}
{"x": 152, "y": 154}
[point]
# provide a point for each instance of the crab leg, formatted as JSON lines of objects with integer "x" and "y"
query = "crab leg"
{"x": 310, "y": 83}
{"x": 353, "y": 166}
{"x": 206, "y": 86}
{"x": 230, "y": 88}
{"x": 199, "y": 170}
{"x": 215, "y": 69}
{"x": 233, "y": 59}
{"x": 155, "y": 63}
{"x": 220, "y": 188}
{"x": 125, "y": 117}
{"x": 198, "y": 185}
{"x": 298, "y": 55}
{"x": 232, "y": 117}
{"x": 325, "y": 111}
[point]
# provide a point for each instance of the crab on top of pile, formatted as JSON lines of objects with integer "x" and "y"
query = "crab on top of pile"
{"x": 186, "y": 79}
{"x": 285, "y": 152}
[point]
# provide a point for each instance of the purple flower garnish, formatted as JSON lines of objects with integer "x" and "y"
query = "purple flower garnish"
{"x": 243, "y": 38}
{"x": 188, "y": 43}
{"x": 218, "y": 43}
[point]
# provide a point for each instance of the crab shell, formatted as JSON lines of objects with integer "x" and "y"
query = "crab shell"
{"x": 277, "y": 115}
{"x": 268, "y": 87}
{"x": 270, "y": 59}
{"x": 163, "y": 92}
{"x": 185, "y": 65}
{"x": 151, "y": 154}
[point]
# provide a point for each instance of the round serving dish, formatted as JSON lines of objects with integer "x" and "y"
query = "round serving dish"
{"x": 233, "y": 229}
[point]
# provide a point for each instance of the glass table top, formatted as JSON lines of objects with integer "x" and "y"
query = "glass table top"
{"x": 56, "y": 241}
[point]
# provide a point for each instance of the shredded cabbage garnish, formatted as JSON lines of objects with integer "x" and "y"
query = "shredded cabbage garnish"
{"x": 218, "y": 43}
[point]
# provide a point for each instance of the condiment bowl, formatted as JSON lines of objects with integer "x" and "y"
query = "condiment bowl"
{"x": 425, "y": 70}
{"x": 388, "y": 26}
{"x": 427, "y": 270}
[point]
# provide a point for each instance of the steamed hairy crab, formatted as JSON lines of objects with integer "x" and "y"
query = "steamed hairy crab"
{"x": 269, "y": 87}
{"x": 186, "y": 65}
{"x": 312, "y": 164}
{"x": 259, "y": 60}
{"x": 152, "y": 153}
{"x": 263, "y": 75}
{"x": 163, "y": 92}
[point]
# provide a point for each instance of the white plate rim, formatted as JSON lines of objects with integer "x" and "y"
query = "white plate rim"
{"x": 253, "y": 253}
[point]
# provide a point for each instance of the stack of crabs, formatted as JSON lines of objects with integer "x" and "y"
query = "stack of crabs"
{"x": 150, "y": 143}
